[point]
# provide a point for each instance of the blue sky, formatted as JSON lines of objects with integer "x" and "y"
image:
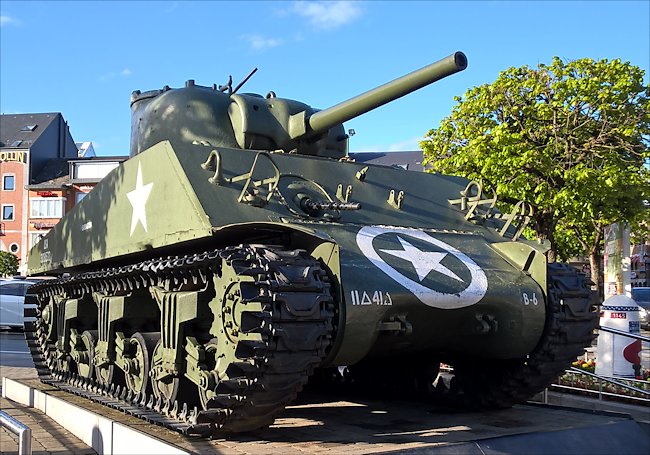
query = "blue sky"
{"x": 84, "y": 59}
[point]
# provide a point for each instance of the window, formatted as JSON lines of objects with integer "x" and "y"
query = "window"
{"x": 8, "y": 182}
{"x": 46, "y": 208}
{"x": 35, "y": 237}
{"x": 92, "y": 170}
{"x": 79, "y": 196}
{"x": 7, "y": 212}
{"x": 28, "y": 128}
{"x": 13, "y": 289}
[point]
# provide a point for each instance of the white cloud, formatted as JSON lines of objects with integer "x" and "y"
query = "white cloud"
{"x": 259, "y": 43}
{"x": 327, "y": 15}
{"x": 112, "y": 74}
{"x": 8, "y": 20}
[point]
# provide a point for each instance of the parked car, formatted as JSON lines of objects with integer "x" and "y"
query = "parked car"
{"x": 12, "y": 302}
{"x": 641, "y": 296}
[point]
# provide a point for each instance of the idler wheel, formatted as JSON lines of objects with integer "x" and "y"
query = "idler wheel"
{"x": 48, "y": 321}
{"x": 137, "y": 364}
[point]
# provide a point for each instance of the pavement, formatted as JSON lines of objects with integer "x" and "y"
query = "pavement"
{"x": 48, "y": 437}
{"x": 297, "y": 431}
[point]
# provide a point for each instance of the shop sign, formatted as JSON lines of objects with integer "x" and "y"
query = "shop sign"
{"x": 44, "y": 225}
{"x": 13, "y": 156}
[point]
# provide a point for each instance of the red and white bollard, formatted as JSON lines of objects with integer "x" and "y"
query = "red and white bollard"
{"x": 618, "y": 355}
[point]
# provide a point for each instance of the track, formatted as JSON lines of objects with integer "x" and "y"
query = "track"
{"x": 285, "y": 328}
{"x": 477, "y": 383}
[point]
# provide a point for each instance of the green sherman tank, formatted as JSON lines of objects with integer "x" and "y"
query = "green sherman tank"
{"x": 240, "y": 251}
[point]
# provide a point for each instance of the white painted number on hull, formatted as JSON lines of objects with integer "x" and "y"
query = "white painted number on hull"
{"x": 370, "y": 298}
{"x": 528, "y": 300}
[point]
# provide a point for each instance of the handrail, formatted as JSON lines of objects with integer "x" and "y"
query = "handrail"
{"x": 636, "y": 336}
{"x": 606, "y": 379}
{"x": 23, "y": 431}
{"x": 599, "y": 392}
{"x": 600, "y": 387}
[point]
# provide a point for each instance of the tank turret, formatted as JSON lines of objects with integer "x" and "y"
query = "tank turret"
{"x": 222, "y": 117}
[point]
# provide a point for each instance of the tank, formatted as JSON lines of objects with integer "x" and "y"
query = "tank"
{"x": 239, "y": 251}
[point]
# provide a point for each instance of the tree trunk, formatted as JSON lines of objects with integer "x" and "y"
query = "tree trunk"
{"x": 544, "y": 227}
{"x": 594, "y": 263}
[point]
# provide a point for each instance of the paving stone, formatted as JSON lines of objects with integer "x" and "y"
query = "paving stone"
{"x": 47, "y": 435}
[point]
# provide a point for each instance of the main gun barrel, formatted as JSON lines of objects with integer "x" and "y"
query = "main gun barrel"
{"x": 360, "y": 104}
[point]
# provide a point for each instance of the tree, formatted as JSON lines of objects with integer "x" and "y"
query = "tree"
{"x": 8, "y": 263}
{"x": 570, "y": 138}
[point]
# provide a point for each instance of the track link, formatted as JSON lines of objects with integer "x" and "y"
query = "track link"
{"x": 294, "y": 323}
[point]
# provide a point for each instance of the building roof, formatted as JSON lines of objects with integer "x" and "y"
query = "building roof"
{"x": 53, "y": 175}
{"x": 85, "y": 149}
{"x": 22, "y": 130}
{"x": 407, "y": 160}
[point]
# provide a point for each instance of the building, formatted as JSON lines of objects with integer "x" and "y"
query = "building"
{"x": 27, "y": 142}
{"x": 42, "y": 177}
{"x": 62, "y": 184}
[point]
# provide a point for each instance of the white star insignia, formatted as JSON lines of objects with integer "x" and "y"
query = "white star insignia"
{"x": 423, "y": 261}
{"x": 138, "y": 198}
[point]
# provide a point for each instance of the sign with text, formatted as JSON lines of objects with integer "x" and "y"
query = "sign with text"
{"x": 617, "y": 259}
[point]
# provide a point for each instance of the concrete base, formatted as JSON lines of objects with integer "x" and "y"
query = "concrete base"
{"x": 319, "y": 425}
{"x": 104, "y": 435}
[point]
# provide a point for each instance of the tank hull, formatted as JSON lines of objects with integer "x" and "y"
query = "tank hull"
{"x": 407, "y": 279}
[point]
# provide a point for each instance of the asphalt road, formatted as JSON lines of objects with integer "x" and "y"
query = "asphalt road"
{"x": 13, "y": 349}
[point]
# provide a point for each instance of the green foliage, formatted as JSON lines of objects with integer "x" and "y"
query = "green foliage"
{"x": 570, "y": 138}
{"x": 8, "y": 263}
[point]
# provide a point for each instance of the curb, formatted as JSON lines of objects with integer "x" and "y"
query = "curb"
{"x": 104, "y": 435}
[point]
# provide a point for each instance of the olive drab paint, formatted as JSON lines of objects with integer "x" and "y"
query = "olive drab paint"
{"x": 398, "y": 263}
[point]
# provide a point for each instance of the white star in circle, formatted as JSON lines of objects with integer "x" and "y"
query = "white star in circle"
{"x": 138, "y": 198}
{"x": 423, "y": 261}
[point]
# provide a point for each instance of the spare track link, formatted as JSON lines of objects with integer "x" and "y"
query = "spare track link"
{"x": 293, "y": 345}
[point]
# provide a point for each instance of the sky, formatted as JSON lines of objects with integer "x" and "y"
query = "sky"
{"x": 84, "y": 59}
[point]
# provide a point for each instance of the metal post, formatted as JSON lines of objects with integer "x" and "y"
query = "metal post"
{"x": 23, "y": 432}
{"x": 600, "y": 389}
